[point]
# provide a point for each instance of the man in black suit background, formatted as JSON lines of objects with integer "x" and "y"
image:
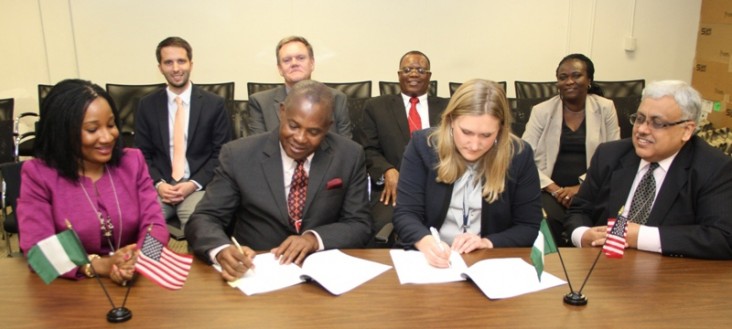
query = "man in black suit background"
{"x": 387, "y": 126}
{"x": 256, "y": 188}
{"x": 682, "y": 207}
{"x": 180, "y": 130}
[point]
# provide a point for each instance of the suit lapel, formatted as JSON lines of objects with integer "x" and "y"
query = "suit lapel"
{"x": 398, "y": 112}
{"x": 194, "y": 115}
{"x": 621, "y": 182}
{"x": 318, "y": 168}
{"x": 676, "y": 179}
{"x": 161, "y": 116}
{"x": 272, "y": 168}
{"x": 434, "y": 111}
{"x": 279, "y": 97}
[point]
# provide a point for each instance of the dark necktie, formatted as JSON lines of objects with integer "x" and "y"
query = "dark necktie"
{"x": 298, "y": 192}
{"x": 415, "y": 122}
{"x": 640, "y": 207}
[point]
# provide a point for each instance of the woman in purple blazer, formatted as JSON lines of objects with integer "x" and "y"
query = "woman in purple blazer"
{"x": 470, "y": 179}
{"x": 83, "y": 177}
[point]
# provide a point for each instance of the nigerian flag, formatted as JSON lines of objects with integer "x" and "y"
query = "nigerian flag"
{"x": 57, "y": 255}
{"x": 544, "y": 244}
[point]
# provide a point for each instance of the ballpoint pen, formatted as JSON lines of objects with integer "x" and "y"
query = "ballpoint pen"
{"x": 238, "y": 246}
{"x": 436, "y": 236}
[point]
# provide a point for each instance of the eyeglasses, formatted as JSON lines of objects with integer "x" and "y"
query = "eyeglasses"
{"x": 420, "y": 70}
{"x": 654, "y": 123}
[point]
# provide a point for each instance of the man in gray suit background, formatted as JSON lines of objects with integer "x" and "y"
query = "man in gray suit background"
{"x": 293, "y": 192}
{"x": 295, "y": 62}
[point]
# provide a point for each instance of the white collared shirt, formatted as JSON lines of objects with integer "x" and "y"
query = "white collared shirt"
{"x": 422, "y": 109}
{"x": 461, "y": 205}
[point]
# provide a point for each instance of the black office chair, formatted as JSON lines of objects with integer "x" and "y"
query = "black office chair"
{"x": 359, "y": 89}
{"x": 358, "y": 93}
{"x": 6, "y": 108}
{"x": 10, "y": 180}
{"x": 126, "y": 97}
{"x": 43, "y": 91}
{"x": 455, "y": 85}
{"x": 392, "y": 88}
{"x": 239, "y": 114}
{"x": 25, "y": 141}
{"x": 255, "y": 87}
{"x": 626, "y": 88}
{"x": 225, "y": 89}
{"x": 528, "y": 89}
{"x": 7, "y": 147}
{"x": 522, "y": 113}
{"x": 624, "y": 107}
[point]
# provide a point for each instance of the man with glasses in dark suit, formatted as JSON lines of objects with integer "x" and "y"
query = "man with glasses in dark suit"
{"x": 672, "y": 186}
{"x": 387, "y": 127}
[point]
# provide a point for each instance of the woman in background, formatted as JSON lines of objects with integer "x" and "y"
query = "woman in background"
{"x": 83, "y": 176}
{"x": 564, "y": 132}
{"x": 469, "y": 178}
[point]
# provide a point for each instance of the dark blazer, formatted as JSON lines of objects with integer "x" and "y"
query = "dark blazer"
{"x": 693, "y": 206}
{"x": 386, "y": 130}
{"x": 209, "y": 127}
{"x": 247, "y": 197}
{"x": 264, "y": 111}
{"x": 511, "y": 221}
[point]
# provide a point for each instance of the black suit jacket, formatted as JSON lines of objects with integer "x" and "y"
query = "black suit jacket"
{"x": 511, "y": 221}
{"x": 247, "y": 197}
{"x": 209, "y": 127}
{"x": 693, "y": 208}
{"x": 386, "y": 131}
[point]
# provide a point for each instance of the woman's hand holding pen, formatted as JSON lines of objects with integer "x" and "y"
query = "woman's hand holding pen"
{"x": 436, "y": 251}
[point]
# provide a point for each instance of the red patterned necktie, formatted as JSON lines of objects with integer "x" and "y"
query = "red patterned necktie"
{"x": 298, "y": 193}
{"x": 415, "y": 122}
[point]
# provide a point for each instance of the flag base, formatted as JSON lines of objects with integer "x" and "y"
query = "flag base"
{"x": 119, "y": 314}
{"x": 575, "y": 299}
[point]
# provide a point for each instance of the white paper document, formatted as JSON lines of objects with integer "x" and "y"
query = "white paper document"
{"x": 412, "y": 267}
{"x": 335, "y": 271}
{"x": 509, "y": 277}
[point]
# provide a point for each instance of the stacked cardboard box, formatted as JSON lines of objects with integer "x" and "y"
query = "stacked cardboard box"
{"x": 712, "y": 68}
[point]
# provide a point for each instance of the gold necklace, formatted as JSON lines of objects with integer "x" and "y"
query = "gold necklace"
{"x": 106, "y": 226}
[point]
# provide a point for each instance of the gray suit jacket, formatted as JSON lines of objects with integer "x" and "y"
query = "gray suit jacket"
{"x": 264, "y": 111}
{"x": 386, "y": 131}
{"x": 246, "y": 197}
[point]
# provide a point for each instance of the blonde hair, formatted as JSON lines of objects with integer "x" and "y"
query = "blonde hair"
{"x": 476, "y": 97}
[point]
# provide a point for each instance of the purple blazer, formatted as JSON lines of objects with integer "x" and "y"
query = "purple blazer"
{"x": 47, "y": 200}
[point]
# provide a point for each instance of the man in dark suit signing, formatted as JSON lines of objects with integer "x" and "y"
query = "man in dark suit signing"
{"x": 387, "y": 126}
{"x": 292, "y": 191}
{"x": 673, "y": 187}
{"x": 180, "y": 130}
{"x": 295, "y": 62}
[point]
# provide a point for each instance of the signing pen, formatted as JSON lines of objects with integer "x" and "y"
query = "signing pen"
{"x": 238, "y": 246}
{"x": 436, "y": 236}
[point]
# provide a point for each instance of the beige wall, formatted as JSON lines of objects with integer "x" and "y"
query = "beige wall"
{"x": 44, "y": 41}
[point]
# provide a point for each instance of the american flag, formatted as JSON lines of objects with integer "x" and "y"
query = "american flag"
{"x": 616, "y": 231}
{"x": 161, "y": 265}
